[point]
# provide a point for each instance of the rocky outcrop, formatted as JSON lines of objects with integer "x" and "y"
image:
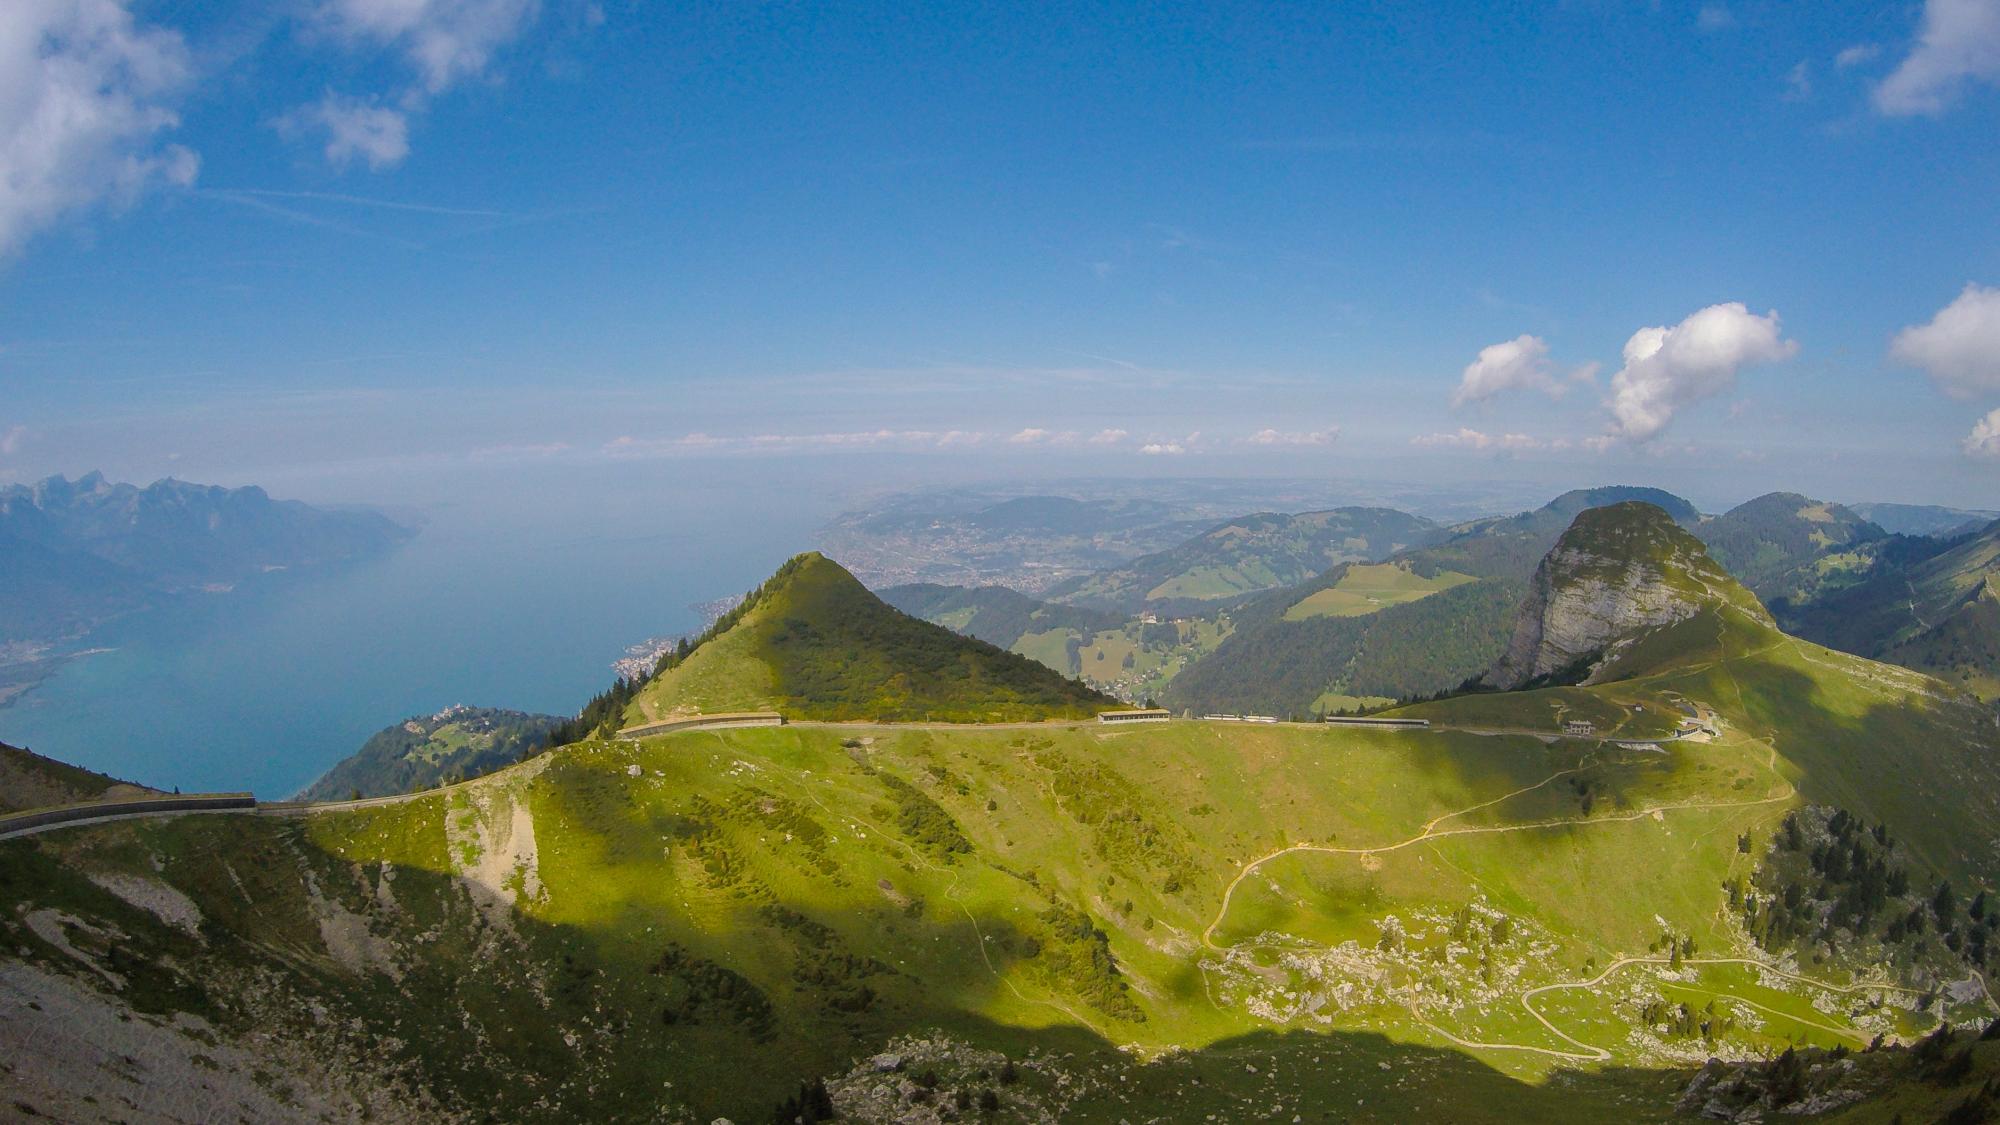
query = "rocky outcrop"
{"x": 1617, "y": 572}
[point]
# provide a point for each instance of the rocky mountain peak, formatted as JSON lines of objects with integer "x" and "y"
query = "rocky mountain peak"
{"x": 1617, "y": 572}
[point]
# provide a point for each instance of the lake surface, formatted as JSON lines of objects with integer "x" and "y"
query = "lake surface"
{"x": 519, "y": 592}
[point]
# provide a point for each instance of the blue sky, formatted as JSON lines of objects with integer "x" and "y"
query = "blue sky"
{"x": 298, "y": 241}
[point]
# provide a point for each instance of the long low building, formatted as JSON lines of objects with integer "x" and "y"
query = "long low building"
{"x": 1381, "y": 724}
{"x": 1137, "y": 715}
{"x": 696, "y": 722}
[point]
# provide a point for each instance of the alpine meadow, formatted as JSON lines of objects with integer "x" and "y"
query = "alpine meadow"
{"x": 577, "y": 561}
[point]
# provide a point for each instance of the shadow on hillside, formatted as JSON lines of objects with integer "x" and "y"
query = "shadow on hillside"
{"x": 515, "y": 1019}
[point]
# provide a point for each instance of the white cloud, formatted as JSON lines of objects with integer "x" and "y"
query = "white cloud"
{"x": 1162, "y": 448}
{"x": 1326, "y": 436}
{"x": 357, "y": 129}
{"x": 1958, "y": 45}
{"x": 1856, "y": 55}
{"x": 1798, "y": 82}
{"x": 84, "y": 93}
{"x": 1030, "y": 436}
{"x": 1465, "y": 438}
{"x": 1984, "y": 440}
{"x": 1108, "y": 437}
{"x": 1960, "y": 347}
{"x": 1667, "y": 369}
{"x": 10, "y": 441}
{"x": 444, "y": 40}
{"x": 1521, "y": 363}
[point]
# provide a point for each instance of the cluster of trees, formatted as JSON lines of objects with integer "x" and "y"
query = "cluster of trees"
{"x": 1680, "y": 1021}
{"x": 700, "y": 991}
{"x": 923, "y": 821}
{"x": 1850, "y": 876}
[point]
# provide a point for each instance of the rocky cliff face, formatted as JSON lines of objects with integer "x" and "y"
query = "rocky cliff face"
{"x": 1617, "y": 572}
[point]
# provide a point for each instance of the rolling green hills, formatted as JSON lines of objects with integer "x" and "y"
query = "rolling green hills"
{"x": 1930, "y": 606}
{"x": 812, "y": 642}
{"x": 1764, "y": 542}
{"x": 1762, "y": 852}
{"x": 1285, "y": 657}
{"x": 425, "y": 751}
{"x": 1247, "y": 555}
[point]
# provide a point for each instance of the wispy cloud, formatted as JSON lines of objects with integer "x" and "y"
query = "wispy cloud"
{"x": 1480, "y": 442}
{"x": 10, "y": 440}
{"x": 1326, "y": 436}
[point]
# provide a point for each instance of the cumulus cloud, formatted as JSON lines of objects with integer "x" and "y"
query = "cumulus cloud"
{"x": 1108, "y": 437}
{"x": 1960, "y": 347}
{"x": 1465, "y": 438}
{"x": 356, "y": 130}
{"x": 1984, "y": 440}
{"x": 1958, "y": 46}
{"x": 1326, "y": 436}
{"x": 1030, "y": 436}
{"x": 444, "y": 40}
{"x": 1668, "y": 369}
{"x": 1162, "y": 448}
{"x": 85, "y": 92}
{"x": 1521, "y": 363}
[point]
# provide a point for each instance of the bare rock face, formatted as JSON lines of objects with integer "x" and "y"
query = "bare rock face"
{"x": 1617, "y": 572}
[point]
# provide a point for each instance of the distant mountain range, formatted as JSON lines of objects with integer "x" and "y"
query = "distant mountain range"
{"x": 75, "y": 554}
{"x": 1391, "y": 606}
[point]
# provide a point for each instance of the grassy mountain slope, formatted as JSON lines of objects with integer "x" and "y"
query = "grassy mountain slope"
{"x": 814, "y": 643}
{"x": 1935, "y": 610}
{"x": 428, "y": 750}
{"x": 702, "y": 921}
{"x": 995, "y": 614}
{"x": 1284, "y": 659}
{"x": 1483, "y": 921}
{"x": 30, "y": 781}
{"x": 1247, "y": 555}
{"x": 1764, "y": 541}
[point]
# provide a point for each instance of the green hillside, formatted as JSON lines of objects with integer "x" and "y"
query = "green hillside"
{"x": 429, "y": 750}
{"x": 1764, "y": 542}
{"x": 1287, "y": 655}
{"x": 1930, "y": 606}
{"x": 1090, "y": 924}
{"x": 1761, "y": 852}
{"x": 1247, "y": 555}
{"x": 995, "y": 614}
{"x": 812, "y": 642}
{"x": 30, "y": 781}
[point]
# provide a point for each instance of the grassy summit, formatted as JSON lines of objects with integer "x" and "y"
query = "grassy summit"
{"x": 814, "y": 643}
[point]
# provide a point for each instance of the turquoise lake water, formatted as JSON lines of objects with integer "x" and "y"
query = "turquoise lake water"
{"x": 518, "y": 593}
